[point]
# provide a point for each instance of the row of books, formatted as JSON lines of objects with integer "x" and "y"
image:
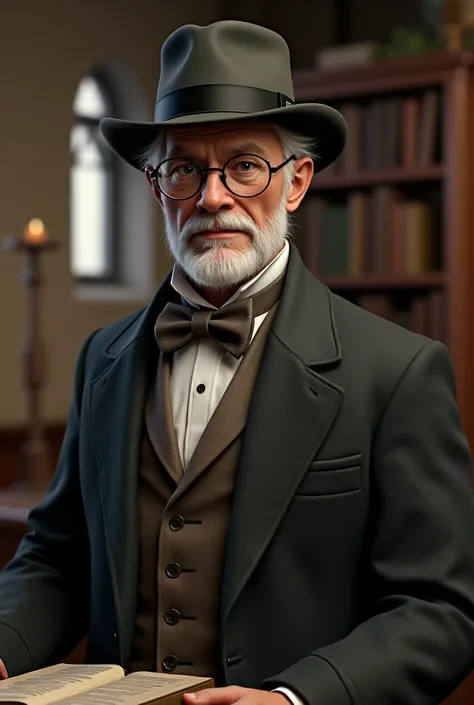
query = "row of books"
{"x": 424, "y": 313}
{"x": 375, "y": 233}
{"x": 397, "y": 131}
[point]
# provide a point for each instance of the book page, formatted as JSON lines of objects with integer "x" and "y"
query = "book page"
{"x": 47, "y": 685}
{"x": 140, "y": 688}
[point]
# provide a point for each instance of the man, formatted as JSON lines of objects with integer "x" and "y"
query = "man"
{"x": 259, "y": 481}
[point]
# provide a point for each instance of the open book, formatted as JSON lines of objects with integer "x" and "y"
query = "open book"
{"x": 67, "y": 684}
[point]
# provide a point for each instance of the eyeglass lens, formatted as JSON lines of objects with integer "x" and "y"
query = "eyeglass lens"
{"x": 244, "y": 175}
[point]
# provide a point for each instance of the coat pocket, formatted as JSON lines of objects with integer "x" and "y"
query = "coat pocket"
{"x": 337, "y": 476}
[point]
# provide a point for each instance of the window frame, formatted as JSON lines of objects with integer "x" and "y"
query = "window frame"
{"x": 112, "y": 273}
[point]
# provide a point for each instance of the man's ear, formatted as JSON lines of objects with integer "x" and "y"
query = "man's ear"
{"x": 302, "y": 174}
{"x": 151, "y": 180}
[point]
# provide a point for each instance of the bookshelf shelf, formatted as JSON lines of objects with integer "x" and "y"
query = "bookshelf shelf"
{"x": 429, "y": 280}
{"x": 377, "y": 178}
{"x": 381, "y": 77}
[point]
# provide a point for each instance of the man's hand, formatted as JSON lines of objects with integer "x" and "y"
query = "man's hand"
{"x": 234, "y": 694}
{"x": 3, "y": 671}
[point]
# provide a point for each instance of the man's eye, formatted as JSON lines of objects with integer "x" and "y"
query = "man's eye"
{"x": 186, "y": 170}
{"x": 245, "y": 166}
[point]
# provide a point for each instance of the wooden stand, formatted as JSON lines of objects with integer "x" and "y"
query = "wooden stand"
{"x": 36, "y": 469}
{"x": 17, "y": 500}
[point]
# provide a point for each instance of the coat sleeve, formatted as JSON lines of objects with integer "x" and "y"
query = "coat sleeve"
{"x": 418, "y": 644}
{"x": 44, "y": 589}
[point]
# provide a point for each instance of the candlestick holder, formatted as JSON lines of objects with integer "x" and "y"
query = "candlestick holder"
{"x": 36, "y": 470}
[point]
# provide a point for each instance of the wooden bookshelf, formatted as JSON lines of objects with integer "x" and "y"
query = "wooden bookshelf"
{"x": 429, "y": 280}
{"x": 321, "y": 182}
{"x": 438, "y": 298}
{"x": 424, "y": 171}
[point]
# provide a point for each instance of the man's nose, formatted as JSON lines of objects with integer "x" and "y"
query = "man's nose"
{"x": 214, "y": 195}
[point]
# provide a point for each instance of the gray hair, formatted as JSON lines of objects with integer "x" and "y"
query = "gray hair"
{"x": 295, "y": 144}
{"x": 291, "y": 142}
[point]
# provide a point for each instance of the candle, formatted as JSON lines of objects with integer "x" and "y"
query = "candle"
{"x": 35, "y": 232}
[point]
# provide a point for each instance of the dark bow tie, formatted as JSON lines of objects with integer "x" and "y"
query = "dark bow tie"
{"x": 231, "y": 326}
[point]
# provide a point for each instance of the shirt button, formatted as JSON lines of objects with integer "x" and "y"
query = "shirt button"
{"x": 201, "y": 388}
{"x": 172, "y": 617}
{"x": 170, "y": 662}
{"x": 173, "y": 570}
{"x": 176, "y": 523}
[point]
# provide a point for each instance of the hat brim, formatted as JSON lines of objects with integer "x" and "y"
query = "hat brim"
{"x": 323, "y": 124}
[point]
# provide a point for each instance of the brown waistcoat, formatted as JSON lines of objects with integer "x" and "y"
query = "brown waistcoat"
{"x": 183, "y": 521}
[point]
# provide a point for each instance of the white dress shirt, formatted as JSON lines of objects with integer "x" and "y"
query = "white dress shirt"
{"x": 202, "y": 370}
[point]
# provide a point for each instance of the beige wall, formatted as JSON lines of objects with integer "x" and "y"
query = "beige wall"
{"x": 46, "y": 46}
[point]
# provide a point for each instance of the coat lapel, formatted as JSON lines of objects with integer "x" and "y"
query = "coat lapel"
{"x": 160, "y": 423}
{"x": 117, "y": 398}
{"x": 293, "y": 408}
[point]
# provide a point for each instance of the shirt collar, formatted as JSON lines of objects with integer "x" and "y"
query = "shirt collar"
{"x": 271, "y": 272}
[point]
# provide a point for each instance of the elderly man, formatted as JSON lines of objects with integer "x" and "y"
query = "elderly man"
{"x": 259, "y": 481}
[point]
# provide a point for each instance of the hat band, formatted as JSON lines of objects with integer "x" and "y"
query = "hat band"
{"x": 218, "y": 98}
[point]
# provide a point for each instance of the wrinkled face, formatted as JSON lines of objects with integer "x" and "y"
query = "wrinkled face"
{"x": 219, "y": 238}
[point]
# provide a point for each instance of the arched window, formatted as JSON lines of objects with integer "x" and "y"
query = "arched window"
{"x": 94, "y": 248}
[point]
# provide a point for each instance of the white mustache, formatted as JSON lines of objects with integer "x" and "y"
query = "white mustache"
{"x": 220, "y": 221}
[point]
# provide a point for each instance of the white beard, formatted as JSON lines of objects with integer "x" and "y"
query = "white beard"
{"x": 217, "y": 266}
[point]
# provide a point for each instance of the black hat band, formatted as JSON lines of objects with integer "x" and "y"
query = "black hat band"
{"x": 218, "y": 98}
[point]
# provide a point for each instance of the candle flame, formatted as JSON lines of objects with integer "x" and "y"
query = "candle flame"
{"x": 35, "y": 232}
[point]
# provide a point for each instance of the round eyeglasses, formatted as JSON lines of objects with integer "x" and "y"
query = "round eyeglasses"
{"x": 245, "y": 176}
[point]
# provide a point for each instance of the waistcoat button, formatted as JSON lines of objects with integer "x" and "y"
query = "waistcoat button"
{"x": 172, "y": 617}
{"x": 170, "y": 662}
{"x": 176, "y": 523}
{"x": 173, "y": 570}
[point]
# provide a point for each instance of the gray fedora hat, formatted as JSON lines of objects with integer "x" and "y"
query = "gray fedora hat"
{"x": 228, "y": 70}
